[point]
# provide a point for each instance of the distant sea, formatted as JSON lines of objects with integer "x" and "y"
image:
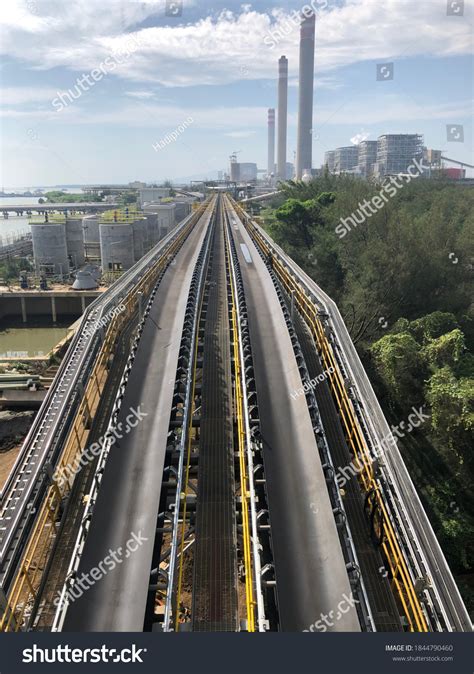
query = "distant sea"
{"x": 13, "y": 223}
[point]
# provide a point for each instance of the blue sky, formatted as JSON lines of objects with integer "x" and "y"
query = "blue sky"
{"x": 216, "y": 63}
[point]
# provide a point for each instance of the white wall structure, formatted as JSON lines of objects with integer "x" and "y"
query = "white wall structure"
{"x": 147, "y": 194}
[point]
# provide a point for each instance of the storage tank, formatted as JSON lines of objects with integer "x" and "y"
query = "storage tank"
{"x": 75, "y": 241}
{"x": 166, "y": 216}
{"x": 153, "y": 229}
{"x": 50, "y": 248}
{"x": 116, "y": 246}
{"x": 183, "y": 208}
{"x": 140, "y": 236}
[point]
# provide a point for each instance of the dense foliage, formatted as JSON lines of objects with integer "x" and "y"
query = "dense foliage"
{"x": 402, "y": 277}
{"x": 59, "y": 197}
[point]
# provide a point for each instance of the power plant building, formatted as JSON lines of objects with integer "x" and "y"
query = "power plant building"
{"x": 329, "y": 160}
{"x": 346, "y": 159}
{"x": 367, "y": 157}
{"x": 243, "y": 171}
{"x": 397, "y": 152}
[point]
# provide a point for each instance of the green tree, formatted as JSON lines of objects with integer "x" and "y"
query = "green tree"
{"x": 452, "y": 409}
{"x": 400, "y": 364}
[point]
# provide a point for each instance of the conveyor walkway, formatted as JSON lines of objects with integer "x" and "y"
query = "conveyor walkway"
{"x": 215, "y": 563}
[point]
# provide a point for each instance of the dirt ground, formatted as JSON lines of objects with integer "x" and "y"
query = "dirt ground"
{"x": 14, "y": 427}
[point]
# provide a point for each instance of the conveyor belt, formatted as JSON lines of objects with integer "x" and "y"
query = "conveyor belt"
{"x": 382, "y": 603}
{"x": 129, "y": 495}
{"x": 310, "y": 570}
{"x": 215, "y": 566}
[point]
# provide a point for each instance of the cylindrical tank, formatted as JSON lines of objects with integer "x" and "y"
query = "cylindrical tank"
{"x": 116, "y": 246}
{"x": 139, "y": 227}
{"x": 183, "y": 208}
{"x": 75, "y": 241}
{"x": 50, "y": 248}
{"x": 166, "y": 216}
{"x": 153, "y": 229}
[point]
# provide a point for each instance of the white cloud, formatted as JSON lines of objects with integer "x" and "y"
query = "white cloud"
{"x": 21, "y": 95}
{"x": 230, "y": 46}
{"x": 140, "y": 94}
{"x": 359, "y": 137}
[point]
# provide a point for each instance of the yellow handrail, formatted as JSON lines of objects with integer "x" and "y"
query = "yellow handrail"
{"x": 241, "y": 435}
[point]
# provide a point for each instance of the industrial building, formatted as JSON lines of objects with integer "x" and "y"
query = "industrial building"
{"x": 396, "y": 152}
{"x": 390, "y": 154}
{"x": 329, "y": 160}
{"x": 149, "y": 194}
{"x": 346, "y": 158}
{"x": 243, "y": 171}
{"x": 367, "y": 157}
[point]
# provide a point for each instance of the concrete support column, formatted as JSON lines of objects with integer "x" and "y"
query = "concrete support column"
{"x": 23, "y": 309}
{"x": 53, "y": 308}
{"x": 83, "y": 303}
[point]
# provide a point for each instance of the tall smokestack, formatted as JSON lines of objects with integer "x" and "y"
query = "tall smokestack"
{"x": 305, "y": 96}
{"x": 282, "y": 116}
{"x": 271, "y": 141}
